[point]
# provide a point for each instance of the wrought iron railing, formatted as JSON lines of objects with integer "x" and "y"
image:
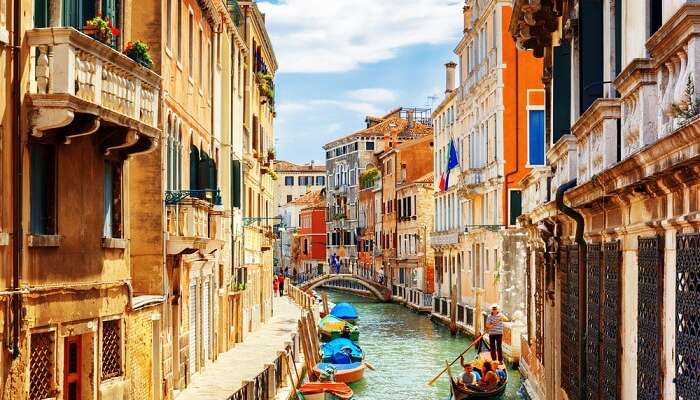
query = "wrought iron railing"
{"x": 175, "y": 196}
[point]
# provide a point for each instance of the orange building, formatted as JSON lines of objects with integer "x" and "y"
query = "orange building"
{"x": 312, "y": 232}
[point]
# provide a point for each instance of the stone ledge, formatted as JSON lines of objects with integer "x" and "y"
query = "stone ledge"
{"x": 45, "y": 240}
{"x": 4, "y": 238}
{"x": 114, "y": 243}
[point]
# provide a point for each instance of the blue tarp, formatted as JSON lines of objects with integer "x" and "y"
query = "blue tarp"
{"x": 344, "y": 311}
{"x": 332, "y": 349}
{"x": 328, "y": 367}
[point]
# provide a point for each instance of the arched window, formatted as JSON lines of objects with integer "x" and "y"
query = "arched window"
{"x": 194, "y": 167}
{"x": 168, "y": 153}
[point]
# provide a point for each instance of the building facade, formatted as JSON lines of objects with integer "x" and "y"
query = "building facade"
{"x": 296, "y": 180}
{"x": 312, "y": 234}
{"x": 611, "y": 224}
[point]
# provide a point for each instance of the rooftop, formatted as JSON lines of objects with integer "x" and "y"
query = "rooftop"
{"x": 286, "y": 166}
{"x": 314, "y": 198}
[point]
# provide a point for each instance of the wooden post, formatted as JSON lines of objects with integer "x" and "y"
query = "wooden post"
{"x": 311, "y": 324}
{"x": 306, "y": 348}
{"x": 478, "y": 318}
{"x": 271, "y": 381}
{"x": 453, "y": 311}
{"x": 324, "y": 297}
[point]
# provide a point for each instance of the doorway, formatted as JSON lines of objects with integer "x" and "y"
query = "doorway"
{"x": 72, "y": 368}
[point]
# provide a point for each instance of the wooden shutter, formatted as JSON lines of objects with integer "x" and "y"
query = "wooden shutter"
{"x": 561, "y": 90}
{"x": 236, "y": 183}
{"x": 591, "y": 52}
{"x": 194, "y": 168}
{"x": 515, "y": 206}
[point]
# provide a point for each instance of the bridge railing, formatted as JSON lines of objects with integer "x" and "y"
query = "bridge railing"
{"x": 303, "y": 299}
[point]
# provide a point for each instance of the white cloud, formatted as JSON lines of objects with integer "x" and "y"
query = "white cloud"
{"x": 361, "y": 107}
{"x": 312, "y": 36}
{"x": 375, "y": 95}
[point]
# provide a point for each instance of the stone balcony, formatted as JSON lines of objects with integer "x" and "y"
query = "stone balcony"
{"x": 79, "y": 86}
{"x": 194, "y": 224}
{"x": 478, "y": 180}
{"x": 596, "y": 137}
{"x": 564, "y": 160}
{"x": 536, "y": 188}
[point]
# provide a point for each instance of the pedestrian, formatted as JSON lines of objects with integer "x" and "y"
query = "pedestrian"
{"x": 494, "y": 327}
{"x": 281, "y": 284}
{"x": 286, "y": 272}
{"x": 276, "y": 286}
{"x": 294, "y": 275}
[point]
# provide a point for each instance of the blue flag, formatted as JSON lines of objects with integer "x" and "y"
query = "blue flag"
{"x": 452, "y": 162}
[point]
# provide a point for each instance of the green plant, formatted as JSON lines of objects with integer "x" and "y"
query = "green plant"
{"x": 338, "y": 216}
{"x": 273, "y": 174}
{"x": 101, "y": 28}
{"x": 265, "y": 85}
{"x": 138, "y": 51}
{"x": 270, "y": 153}
{"x": 690, "y": 107}
{"x": 368, "y": 177}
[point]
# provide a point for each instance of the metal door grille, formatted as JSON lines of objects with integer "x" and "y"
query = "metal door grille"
{"x": 687, "y": 316}
{"x": 649, "y": 312}
{"x": 193, "y": 329}
{"x": 41, "y": 366}
{"x": 611, "y": 316}
{"x": 593, "y": 269}
{"x": 539, "y": 309}
{"x": 570, "y": 331}
{"x": 206, "y": 315}
{"x": 111, "y": 349}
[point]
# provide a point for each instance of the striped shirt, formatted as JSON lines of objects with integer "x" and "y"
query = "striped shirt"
{"x": 496, "y": 323}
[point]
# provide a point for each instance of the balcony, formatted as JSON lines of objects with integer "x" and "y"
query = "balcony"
{"x": 535, "y": 188}
{"x": 444, "y": 238}
{"x": 477, "y": 180}
{"x": 596, "y": 136}
{"x": 563, "y": 158}
{"x": 194, "y": 225}
{"x": 79, "y": 86}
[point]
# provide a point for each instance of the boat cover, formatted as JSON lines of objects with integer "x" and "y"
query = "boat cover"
{"x": 339, "y": 389}
{"x": 330, "y": 323}
{"x": 329, "y": 367}
{"x": 335, "y": 348}
{"x": 344, "y": 311}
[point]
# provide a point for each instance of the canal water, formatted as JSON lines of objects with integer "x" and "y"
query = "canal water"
{"x": 407, "y": 349}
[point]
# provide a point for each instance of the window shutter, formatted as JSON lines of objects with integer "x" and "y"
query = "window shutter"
{"x": 515, "y": 206}
{"x": 536, "y": 137}
{"x": 236, "y": 183}
{"x": 203, "y": 172}
{"x": 212, "y": 181}
{"x": 561, "y": 110}
{"x": 194, "y": 168}
{"x": 41, "y": 13}
{"x": 107, "y": 197}
{"x": 38, "y": 189}
{"x": 591, "y": 50}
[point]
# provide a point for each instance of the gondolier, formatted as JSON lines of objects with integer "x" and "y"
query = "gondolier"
{"x": 494, "y": 327}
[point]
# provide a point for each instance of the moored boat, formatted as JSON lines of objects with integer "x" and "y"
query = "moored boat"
{"x": 341, "y": 351}
{"x": 324, "y": 391}
{"x": 345, "y": 311}
{"x": 331, "y": 327}
{"x": 346, "y": 373}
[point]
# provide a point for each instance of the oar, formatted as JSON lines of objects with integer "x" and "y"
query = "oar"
{"x": 435, "y": 378}
{"x": 370, "y": 366}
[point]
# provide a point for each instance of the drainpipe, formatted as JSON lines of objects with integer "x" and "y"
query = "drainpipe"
{"x": 516, "y": 166}
{"x": 582, "y": 278}
{"x": 17, "y": 154}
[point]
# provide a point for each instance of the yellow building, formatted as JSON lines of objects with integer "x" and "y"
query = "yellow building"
{"x": 258, "y": 174}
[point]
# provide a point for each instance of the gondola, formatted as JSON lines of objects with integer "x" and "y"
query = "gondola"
{"x": 460, "y": 392}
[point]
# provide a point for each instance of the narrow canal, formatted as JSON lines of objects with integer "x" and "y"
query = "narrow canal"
{"x": 407, "y": 349}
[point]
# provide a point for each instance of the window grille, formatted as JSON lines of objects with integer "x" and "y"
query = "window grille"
{"x": 41, "y": 366}
{"x": 111, "y": 349}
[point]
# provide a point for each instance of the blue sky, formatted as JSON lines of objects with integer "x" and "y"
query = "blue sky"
{"x": 343, "y": 59}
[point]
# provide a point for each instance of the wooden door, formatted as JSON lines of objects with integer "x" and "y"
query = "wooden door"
{"x": 72, "y": 368}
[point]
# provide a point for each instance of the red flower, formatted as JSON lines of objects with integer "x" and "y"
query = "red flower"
{"x": 115, "y": 31}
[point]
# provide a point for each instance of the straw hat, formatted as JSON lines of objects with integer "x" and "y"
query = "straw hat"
{"x": 496, "y": 307}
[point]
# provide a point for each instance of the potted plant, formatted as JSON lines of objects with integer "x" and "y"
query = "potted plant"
{"x": 101, "y": 29}
{"x": 270, "y": 154}
{"x": 273, "y": 174}
{"x": 265, "y": 86}
{"x": 138, "y": 51}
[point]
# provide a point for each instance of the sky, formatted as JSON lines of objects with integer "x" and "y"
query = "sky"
{"x": 340, "y": 60}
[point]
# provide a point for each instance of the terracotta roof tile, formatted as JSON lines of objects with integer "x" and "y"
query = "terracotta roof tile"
{"x": 286, "y": 166}
{"x": 313, "y": 198}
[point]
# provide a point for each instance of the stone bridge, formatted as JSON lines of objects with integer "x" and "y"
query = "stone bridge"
{"x": 379, "y": 291}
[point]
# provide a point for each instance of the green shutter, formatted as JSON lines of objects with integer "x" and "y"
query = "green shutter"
{"x": 590, "y": 52}
{"x": 42, "y": 187}
{"x": 194, "y": 168}
{"x": 203, "y": 172}
{"x": 236, "y": 183}
{"x": 212, "y": 174}
{"x": 515, "y": 206}
{"x": 41, "y": 13}
{"x": 561, "y": 90}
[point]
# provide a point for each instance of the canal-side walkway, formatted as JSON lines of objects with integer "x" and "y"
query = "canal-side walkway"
{"x": 221, "y": 379}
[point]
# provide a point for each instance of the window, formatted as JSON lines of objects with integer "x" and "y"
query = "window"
{"x": 112, "y": 200}
{"x": 41, "y": 13}
{"x": 320, "y": 180}
{"x": 369, "y": 145}
{"x": 236, "y": 186}
{"x": 169, "y": 23}
{"x": 76, "y": 12}
{"x": 515, "y": 206}
{"x": 535, "y": 143}
{"x": 288, "y": 181}
{"x": 42, "y": 189}
{"x": 190, "y": 61}
{"x": 179, "y": 30}
{"x": 111, "y": 349}
{"x": 289, "y": 198}
{"x": 200, "y": 50}
{"x": 41, "y": 366}
{"x": 301, "y": 181}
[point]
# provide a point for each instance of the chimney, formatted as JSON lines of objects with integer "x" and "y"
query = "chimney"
{"x": 410, "y": 118}
{"x": 450, "y": 76}
{"x": 467, "y": 12}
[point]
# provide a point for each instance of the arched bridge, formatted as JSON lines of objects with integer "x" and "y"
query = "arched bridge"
{"x": 379, "y": 291}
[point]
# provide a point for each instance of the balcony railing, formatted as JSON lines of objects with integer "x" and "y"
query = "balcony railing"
{"x": 71, "y": 69}
{"x": 562, "y": 156}
{"x": 189, "y": 218}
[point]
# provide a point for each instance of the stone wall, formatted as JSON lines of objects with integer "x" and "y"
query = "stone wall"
{"x": 138, "y": 343}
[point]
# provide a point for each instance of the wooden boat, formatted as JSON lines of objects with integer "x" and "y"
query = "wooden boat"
{"x": 346, "y": 373}
{"x": 345, "y": 311}
{"x": 330, "y": 328}
{"x": 324, "y": 391}
{"x": 461, "y": 392}
{"x": 341, "y": 351}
